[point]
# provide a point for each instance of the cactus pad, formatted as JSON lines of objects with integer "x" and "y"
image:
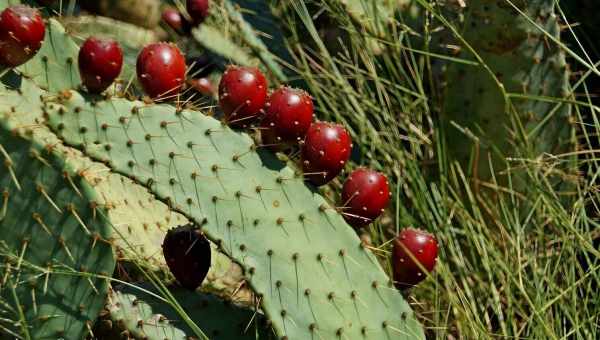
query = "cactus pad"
{"x": 133, "y": 312}
{"x": 308, "y": 268}
{"x": 54, "y": 241}
{"x": 526, "y": 63}
{"x": 54, "y": 67}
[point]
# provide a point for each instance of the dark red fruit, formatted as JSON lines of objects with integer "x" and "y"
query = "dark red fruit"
{"x": 100, "y": 62}
{"x": 173, "y": 18}
{"x": 198, "y": 10}
{"x": 203, "y": 85}
{"x": 288, "y": 115}
{"x": 187, "y": 253}
{"x": 423, "y": 247}
{"x": 325, "y": 151}
{"x": 22, "y": 31}
{"x": 161, "y": 70}
{"x": 365, "y": 194}
{"x": 242, "y": 95}
{"x": 176, "y": 21}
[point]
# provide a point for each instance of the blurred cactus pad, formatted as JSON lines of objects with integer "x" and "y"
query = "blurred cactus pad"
{"x": 479, "y": 115}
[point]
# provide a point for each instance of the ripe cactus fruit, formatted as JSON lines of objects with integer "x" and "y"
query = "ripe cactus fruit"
{"x": 198, "y": 10}
{"x": 242, "y": 95}
{"x": 325, "y": 151}
{"x": 202, "y": 85}
{"x": 161, "y": 70}
{"x": 365, "y": 195}
{"x": 175, "y": 20}
{"x": 100, "y": 63}
{"x": 410, "y": 245}
{"x": 288, "y": 116}
{"x": 22, "y": 31}
{"x": 187, "y": 253}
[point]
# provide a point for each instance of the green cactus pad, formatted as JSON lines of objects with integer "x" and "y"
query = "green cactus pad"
{"x": 526, "y": 63}
{"x": 54, "y": 68}
{"x": 54, "y": 241}
{"x": 134, "y": 312}
{"x": 310, "y": 271}
{"x": 139, "y": 220}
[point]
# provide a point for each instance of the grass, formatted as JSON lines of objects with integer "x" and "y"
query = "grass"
{"x": 512, "y": 264}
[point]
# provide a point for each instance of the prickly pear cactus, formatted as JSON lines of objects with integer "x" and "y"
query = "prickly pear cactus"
{"x": 55, "y": 250}
{"x": 134, "y": 313}
{"x": 54, "y": 67}
{"x": 526, "y": 63}
{"x": 308, "y": 269}
{"x": 139, "y": 221}
{"x": 307, "y": 266}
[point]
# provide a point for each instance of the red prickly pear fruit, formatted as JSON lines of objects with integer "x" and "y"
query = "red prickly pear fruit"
{"x": 365, "y": 194}
{"x": 242, "y": 95}
{"x": 173, "y": 18}
{"x": 22, "y": 31}
{"x": 187, "y": 253}
{"x": 161, "y": 70}
{"x": 423, "y": 247}
{"x": 202, "y": 85}
{"x": 198, "y": 10}
{"x": 100, "y": 62}
{"x": 288, "y": 115}
{"x": 176, "y": 21}
{"x": 325, "y": 151}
